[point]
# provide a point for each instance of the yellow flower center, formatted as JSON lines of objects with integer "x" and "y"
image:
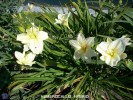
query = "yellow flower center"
{"x": 84, "y": 48}
{"x": 32, "y": 35}
{"x": 111, "y": 52}
{"x": 62, "y": 17}
{"x": 65, "y": 22}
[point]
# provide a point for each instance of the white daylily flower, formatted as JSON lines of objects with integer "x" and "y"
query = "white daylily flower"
{"x": 33, "y": 38}
{"x": 25, "y": 59}
{"x": 30, "y": 6}
{"x": 82, "y": 47}
{"x": 113, "y": 51}
{"x": 62, "y": 19}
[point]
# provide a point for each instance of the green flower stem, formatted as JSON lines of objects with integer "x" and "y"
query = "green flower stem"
{"x": 70, "y": 29}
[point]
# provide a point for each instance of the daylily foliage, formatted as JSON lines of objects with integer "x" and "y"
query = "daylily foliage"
{"x": 69, "y": 53}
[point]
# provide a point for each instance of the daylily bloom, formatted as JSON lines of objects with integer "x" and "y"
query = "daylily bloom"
{"x": 25, "y": 59}
{"x": 82, "y": 48}
{"x": 30, "y": 6}
{"x": 62, "y": 19}
{"x": 113, "y": 51}
{"x": 33, "y": 38}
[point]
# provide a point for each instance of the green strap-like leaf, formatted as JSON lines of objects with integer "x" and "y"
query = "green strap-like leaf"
{"x": 78, "y": 89}
{"x": 7, "y": 32}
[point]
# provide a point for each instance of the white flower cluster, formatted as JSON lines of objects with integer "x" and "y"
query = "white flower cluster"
{"x": 33, "y": 41}
{"x": 112, "y": 51}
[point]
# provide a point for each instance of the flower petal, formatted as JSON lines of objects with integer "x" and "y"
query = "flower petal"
{"x": 19, "y": 55}
{"x": 103, "y": 58}
{"x": 86, "y": 59}
{"x": 42, "y": 35}
{"x": 26, "y": 48}
{"x": 29, "y": 59}
{"x": 57, "y": 21}
{"x": 109, "y": 61}
{"x": 30, "y": 56}
{"x": 75, "y": 44}
{"x": 102, "y": 48}
{"x": 80, "y": 38}
{"x": 61, "y": 16}
{"x": 36, "y": 46}
{"x": 117, "y": 45}
{"x": 117, "y": 57}
{"x": 90, "y": 53}
{"x": 90, "y": 41}
{"x": 123, "y": 55}
{"x": 19, "y": 62}
{"x": 77, "y": 54}
{"x": 23, "y": 38}
{"x": 87, "y": 56}
{"x": 112, "y": 61}
{"x": 125, "y": 40}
